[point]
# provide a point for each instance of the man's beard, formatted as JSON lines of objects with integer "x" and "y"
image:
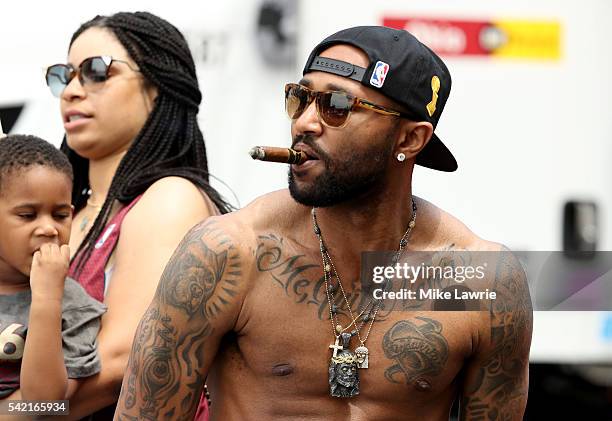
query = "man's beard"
{"x": 345, "y": 178}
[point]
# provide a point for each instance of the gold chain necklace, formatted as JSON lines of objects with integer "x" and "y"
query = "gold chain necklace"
{"x": 343, "y": 375}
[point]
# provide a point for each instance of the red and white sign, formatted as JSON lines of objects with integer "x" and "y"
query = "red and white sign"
{"x": 527, "y": 39}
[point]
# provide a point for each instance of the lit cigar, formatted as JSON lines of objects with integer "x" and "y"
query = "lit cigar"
{"x": 274, "y": 154}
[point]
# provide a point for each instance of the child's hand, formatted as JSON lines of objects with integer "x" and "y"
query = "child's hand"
{"x": 49, "y": 269}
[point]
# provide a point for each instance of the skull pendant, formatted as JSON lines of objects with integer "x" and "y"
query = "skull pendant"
{"x": 361, "y": 353}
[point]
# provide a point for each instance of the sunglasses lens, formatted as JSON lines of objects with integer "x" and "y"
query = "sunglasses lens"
{"x": 57, "y": 78}
{"x": 94, "y": 70}
{"x": 334, "y": 108}
{"x": 296, "y": 100}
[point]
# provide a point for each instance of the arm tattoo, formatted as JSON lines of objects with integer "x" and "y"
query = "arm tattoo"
{"x": 418, "y": 350}
{"x": 500, "y": 389}
{"x": 163, "y": 378}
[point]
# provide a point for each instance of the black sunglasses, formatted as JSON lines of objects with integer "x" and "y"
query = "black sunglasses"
{"x": 333, "y": 107}
{"x": 91, "y": 70}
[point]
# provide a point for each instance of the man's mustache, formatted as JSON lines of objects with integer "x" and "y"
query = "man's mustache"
{"x": 310, "y": 141}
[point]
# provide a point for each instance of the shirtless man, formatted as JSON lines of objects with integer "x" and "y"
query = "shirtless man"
{"x": 246, "y": 301}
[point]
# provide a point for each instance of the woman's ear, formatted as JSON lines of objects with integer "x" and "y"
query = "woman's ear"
{"x": 149, "y": 93}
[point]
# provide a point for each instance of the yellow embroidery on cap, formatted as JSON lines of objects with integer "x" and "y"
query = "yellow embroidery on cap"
{"x": 435, "y": 88}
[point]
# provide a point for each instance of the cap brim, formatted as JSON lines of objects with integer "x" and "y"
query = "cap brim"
{"x": 436, "y": 156}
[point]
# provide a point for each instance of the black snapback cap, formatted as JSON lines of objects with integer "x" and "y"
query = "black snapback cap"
{"x": 401, "y": 68}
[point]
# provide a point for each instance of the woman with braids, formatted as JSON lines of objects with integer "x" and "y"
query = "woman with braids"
{"x": 129, "y": 99}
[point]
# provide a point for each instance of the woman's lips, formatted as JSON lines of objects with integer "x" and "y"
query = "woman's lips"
{"x": 74, "y": 124}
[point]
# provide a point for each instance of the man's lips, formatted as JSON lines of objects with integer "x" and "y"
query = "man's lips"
{"x": 302, "y": 147}
{"x": 313, "y": 159}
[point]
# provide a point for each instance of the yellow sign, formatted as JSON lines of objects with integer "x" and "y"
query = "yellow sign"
{"x": 529, "y": 39}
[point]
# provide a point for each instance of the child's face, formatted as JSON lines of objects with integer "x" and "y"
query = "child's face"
{"x": 34, "y": 209}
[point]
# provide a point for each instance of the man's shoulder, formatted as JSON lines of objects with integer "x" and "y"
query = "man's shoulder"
{"x": 269, "y": 212}
{"x": 445, "y": 231}
{"x": 272, "y": 212}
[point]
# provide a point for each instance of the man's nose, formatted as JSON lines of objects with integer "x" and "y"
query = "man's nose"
{"x": 308, "y": 122}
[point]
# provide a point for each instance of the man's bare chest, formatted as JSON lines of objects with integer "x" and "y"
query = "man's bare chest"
{"x": 290, "y": 338}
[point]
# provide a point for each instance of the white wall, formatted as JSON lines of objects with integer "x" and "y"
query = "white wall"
{"x": 543, "y": 135}
{"x": 242, "y": 98}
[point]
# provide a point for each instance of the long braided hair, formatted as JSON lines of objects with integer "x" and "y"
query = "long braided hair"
{"x": 170, "y": 143}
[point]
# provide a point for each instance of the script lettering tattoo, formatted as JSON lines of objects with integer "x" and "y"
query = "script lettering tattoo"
{"x": 417, "y": 349}
{"x": 303, "y": 280}
{"x": 163, "y": 379}
{"x": 300, "y": 279}
{"x": 286, "y": 271}
{"x": 499, "y": 391}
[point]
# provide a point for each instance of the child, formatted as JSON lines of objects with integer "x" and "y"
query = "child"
{"x": 61, "y": 321}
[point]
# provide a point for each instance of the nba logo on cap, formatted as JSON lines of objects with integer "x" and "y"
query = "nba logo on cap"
{"x": 379, "y": 74}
